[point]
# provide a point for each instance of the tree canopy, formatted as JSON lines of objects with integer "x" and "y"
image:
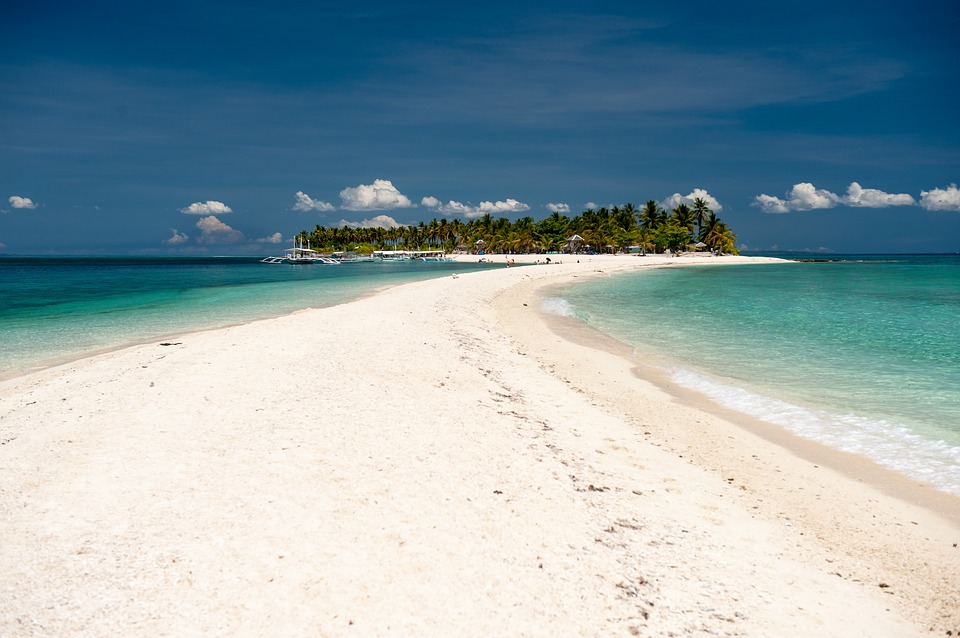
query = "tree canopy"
{"x": 602, "y": 230}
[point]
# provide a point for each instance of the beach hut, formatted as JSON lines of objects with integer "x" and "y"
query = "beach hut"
{"x": 574, "y": 243}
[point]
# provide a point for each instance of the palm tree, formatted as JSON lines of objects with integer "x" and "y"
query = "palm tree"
{"x": 700, "y": 211}
{"x": 627, "y": 219}
{"x": 682, "y": 216}
{"x": 600, "y": 228}
{"x": 652, "y": 216}
{"x": 718, "y": 236}
{"x": 552, "y": 231}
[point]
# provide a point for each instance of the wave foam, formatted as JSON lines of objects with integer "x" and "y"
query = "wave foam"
{"x": 889, "y": 444}
{"x": 558, "y": 306}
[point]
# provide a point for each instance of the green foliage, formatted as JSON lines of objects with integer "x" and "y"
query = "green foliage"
{"x": 672, "y": 237}
{"x": 602, "y": 230}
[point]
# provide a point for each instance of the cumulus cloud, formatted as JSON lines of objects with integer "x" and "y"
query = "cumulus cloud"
{"x": 873, "y": 198}
{"x": 697, "y": 193}
{"x": 21, "y": 202}
{"x": 305, "y": 203}
{"x": 206, "y": 208}
{"x": 381, "y": 195}
{"x": 941, "y": 198}
{"x": 509, "y": 206}
{"x": 558, "y": 208}
{"x": 806, "y": 196}
{"x": 771, "y": 204}
{"x": 380, "y": 221}
{"x": 214, "y": 231}
{"x": 450, "y": 208}
{"x": 458, "y": 208}
{"x": 590, "y": 206}
{"x": 803, "y": 196}
{"x": 177, "y": 238}
{"x": 275, "y": 238}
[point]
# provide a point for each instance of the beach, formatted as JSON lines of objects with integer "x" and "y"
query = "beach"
{"x": 442, "y": 458}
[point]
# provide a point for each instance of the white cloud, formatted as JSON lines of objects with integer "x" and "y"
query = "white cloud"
{"x": 206, "y": 208}
{"x": 305, "y": 203}
{"x": 712, "y": 202}
{"x": 590, "y": 206}
{"x": 381, "y": 195}
{"x": 21, "y": 202}
{"x": 214, "y": 231}
{"x": 803, "y": 196}
{"x": 509, "y": 206}
{"x": 450, "y": 208}
{"x": 558, "y": 208}
{"x": 2, "y": 245}
{"x": 380, "y": 221}
{"x": 275, "y": 238}
{"x": 672, "y": 202}
{"x": 457, "y": 208}
{"x": 771, "y": 204}
{"x": 806, "y": 196}
{"x": 177, "y": 238}
{"x": 873, "y": 198}
{"x": 697, "y": 193}
{"x": 941, "y": 198}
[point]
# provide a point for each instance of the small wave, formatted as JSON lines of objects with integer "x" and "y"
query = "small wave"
{"x": 889, "y": 444}
{"x": 558, "y": 306}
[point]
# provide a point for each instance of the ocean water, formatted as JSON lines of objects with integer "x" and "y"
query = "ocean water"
{"x": 54, "y": 309}
{"x": 861, "y": 352}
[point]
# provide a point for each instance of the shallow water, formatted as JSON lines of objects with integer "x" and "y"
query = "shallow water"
{"x": 60, "y": 308}
{"x": 862, "y": 354}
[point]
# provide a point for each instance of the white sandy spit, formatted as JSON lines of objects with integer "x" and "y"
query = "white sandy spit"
{"x": 434, "y": 460}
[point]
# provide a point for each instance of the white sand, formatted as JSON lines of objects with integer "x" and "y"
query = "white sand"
{"x": 435, "y": 460}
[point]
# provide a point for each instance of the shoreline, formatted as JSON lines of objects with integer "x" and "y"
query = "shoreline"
{"x": 747, "y": 452}
{"x": 35, "y": 366}
{"x": 480, "y": 480}
{"x": 854, "y": 465}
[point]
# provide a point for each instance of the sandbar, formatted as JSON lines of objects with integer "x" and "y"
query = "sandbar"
{"x": 441, "y": 458}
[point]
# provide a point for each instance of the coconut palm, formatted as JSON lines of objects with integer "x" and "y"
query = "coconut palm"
{"x": 652, "y": 216}
{"x": 682, "y": 216}
{"x": 618, "y": 227}
{"x": 718, "y": 236}
{"x": 627, "y": 219}
{"x": 700, "y": 211}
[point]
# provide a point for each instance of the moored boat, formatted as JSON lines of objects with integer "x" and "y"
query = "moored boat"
{"x": 300, "y": 254}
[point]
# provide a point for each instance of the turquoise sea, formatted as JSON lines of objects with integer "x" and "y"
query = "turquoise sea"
{"x": 55, "y": 309}
{"x": 859, "y": 352}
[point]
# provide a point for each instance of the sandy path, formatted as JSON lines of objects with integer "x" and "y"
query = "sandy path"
{"x": 408, "y": 464}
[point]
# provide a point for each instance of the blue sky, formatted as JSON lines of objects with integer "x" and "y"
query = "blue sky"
{"x": 226, "y": 127}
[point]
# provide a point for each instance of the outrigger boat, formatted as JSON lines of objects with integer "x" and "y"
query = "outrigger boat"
{"x": 431, "y": 255}
{"x": 391, "y": 255}
{"x": 300, "y": 255}
{"x": 349, "y": 257}
{"x": 411, "y": 255}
